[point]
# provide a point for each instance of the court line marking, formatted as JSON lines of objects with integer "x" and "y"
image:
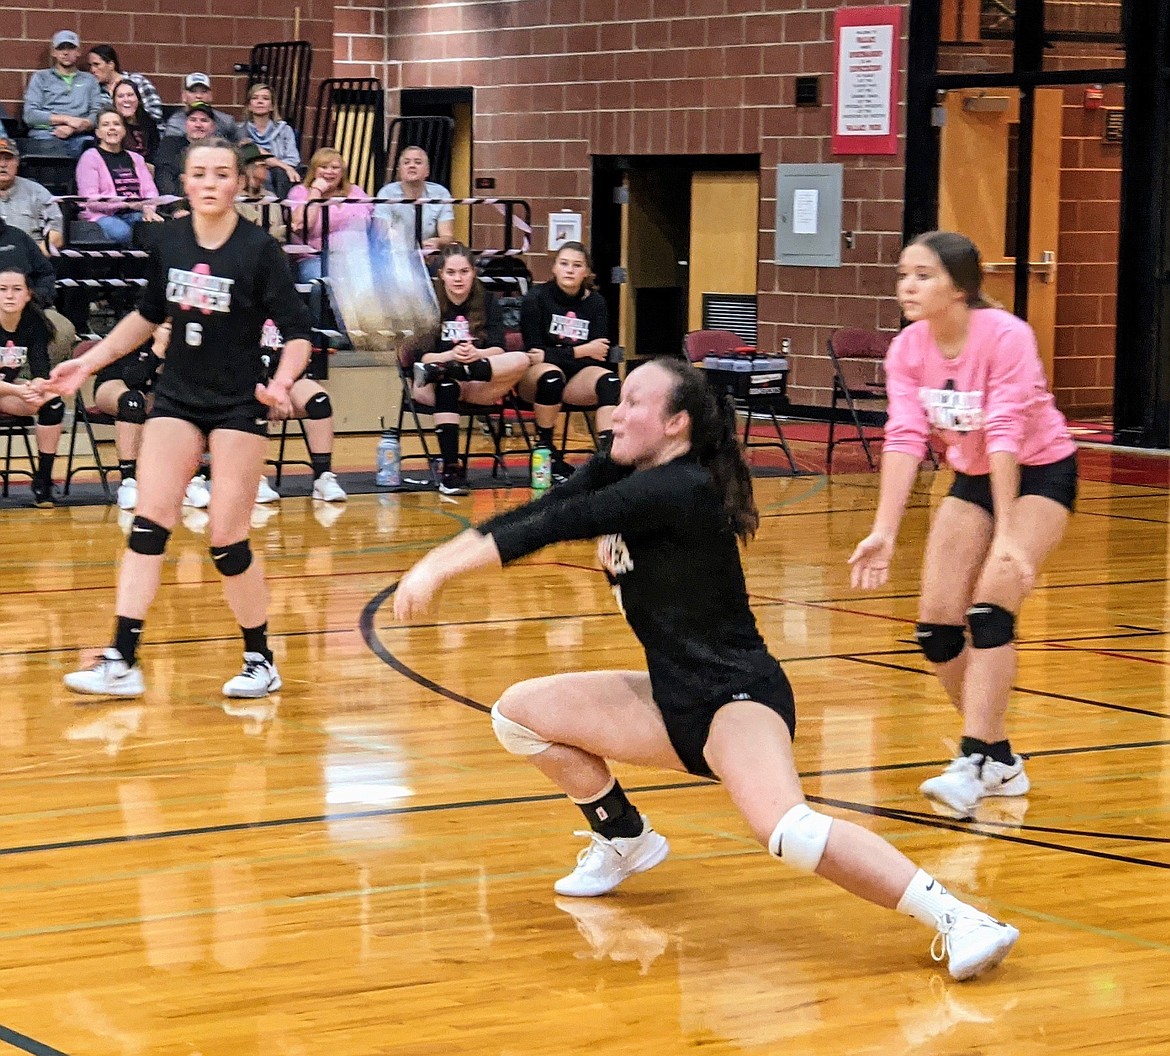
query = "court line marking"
{"x": 27, "y": 1044}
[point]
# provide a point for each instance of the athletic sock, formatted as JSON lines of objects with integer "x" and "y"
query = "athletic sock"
{"x": 611, "y": 814}
{"x": 1000, "y": 751}
{"x": 256, "y": 640}
{"x": 449, "y": 446}
{"x": 926, "y": 900}
{"x": 321, "y": 463}
{"x": 127, "y": 634}
{"x": 544, "y": 437}
{"x": 45, "y": 465}
{"x": 128, "y": 468}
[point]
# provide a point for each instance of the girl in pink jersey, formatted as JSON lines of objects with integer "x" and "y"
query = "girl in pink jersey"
{"x": 971, "y": 373}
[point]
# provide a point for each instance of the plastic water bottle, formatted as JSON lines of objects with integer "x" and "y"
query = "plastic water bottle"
{"x": 388, "y": 460}
{"x": 541, "y": 468}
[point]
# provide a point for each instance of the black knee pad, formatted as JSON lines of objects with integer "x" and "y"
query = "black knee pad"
{"x": 550, "y": 389}
{"x": 132, "y": 407}
{"x": 52, "y": 413}
{"x": 319, "y": 407}
{"x": 941, "y": 642}
{"x": 609, "y": 390}
{"x": 991, "y": 625}
{"x": 447, "y": 397}
{"x": 233, "y": 560}
{"x": 146, "y": 537}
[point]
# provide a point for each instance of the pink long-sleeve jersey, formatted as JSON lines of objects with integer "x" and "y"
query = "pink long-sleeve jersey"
{"x": 992, "y": 397}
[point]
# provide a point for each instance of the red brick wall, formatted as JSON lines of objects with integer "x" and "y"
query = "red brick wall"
{"x": 164, "y": 40}
{"x": 560, "y": 80}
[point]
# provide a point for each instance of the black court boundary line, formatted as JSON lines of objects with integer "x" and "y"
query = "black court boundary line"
{"x": 27, "y": 1044}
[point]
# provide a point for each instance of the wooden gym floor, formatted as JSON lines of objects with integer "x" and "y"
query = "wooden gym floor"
{"x": 355, "y": 867}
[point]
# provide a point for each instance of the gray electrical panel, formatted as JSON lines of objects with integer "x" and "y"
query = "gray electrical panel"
{"x": 808, "y": 215}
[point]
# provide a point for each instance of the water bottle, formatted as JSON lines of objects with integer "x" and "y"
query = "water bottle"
{"x": 388, "y": 460}
{"x": 541, "y": 468}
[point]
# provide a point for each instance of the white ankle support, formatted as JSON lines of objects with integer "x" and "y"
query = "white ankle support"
{"x": 517, "y": 739}
{"x": 799, "y": 840}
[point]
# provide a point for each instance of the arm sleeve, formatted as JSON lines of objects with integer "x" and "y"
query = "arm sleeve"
{"x": 646, "y": 500}
{"x": 531, "y": 321}
{"x": 907, "y": 429}
{"x": 1011, "y": 380}
{"x": 35, "y": 113}
{"x": 493, "y": 334}
{"x": 51, "y": 218}
{"x": 152, "y": 305}
{"x": 281, "y": 300}
{"x": 151, "y": 101}
{"x": 42, "y": 277}
{"x": 600, "y": 317}
{"x": 286, "y": 147}
{"x": 146, "y": 184}
{"x": 95, "y": 100}
{"x": 166, "y": 169}
{"x": 89, "y": 184}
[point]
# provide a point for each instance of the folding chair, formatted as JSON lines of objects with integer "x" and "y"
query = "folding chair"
{"x": 11, "y": 427}
{"x": 86, "y": 416}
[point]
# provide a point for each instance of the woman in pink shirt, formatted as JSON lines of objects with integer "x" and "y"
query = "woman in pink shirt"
{"x": 970, "y": 373}
{"x": 326, "y": 185}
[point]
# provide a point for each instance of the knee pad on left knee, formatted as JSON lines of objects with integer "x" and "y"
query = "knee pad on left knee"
{"x": 799, "y": 840}
{"x": 940, "y": 642}
{"x": 132, "y": 407}
{"x": 517, "y": 739}
{"x": 52, "y": 413}
{"x": 991, "y": 625}
{"x": 609, "y": 390}
{"x": 318, "y": 407}
{"x": 232, "y": 560}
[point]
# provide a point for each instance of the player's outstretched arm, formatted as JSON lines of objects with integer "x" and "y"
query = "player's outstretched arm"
{"x": 466, "y": 552}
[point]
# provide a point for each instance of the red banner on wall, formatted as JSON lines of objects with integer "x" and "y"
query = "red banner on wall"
{"x": 866, "y": 51}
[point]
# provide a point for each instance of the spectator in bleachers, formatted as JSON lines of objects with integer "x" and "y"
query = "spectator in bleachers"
{"x": 123, "y": 390}
{"x": 327, "y": 179}
{"x": 438, "y": 221}
{"x": 142, "y": 135}
{"x": 256, "y": 203}
{"x": 110, "y": 170}
{"x": 197, "y": 89}
{"x": 104, "y": 65}
{"x": 25, "y": 203}
{"x": 264, "y": 127}
{"x": 61, "y": 103}
{"x": 198, "y": 125}
{"x": 25, "y": 335}
{"x": 565, "y": 324}
{"x": 468, "y": 362}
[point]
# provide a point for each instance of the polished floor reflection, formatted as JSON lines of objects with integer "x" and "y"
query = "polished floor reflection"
{"x": 356, "y": 867}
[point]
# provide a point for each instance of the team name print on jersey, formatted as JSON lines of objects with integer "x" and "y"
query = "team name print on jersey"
{"x": 199, "y": 289}
{"x": 569, "y": 327}
{"x": 615, "y": 558}
{"x": 953, "y": 410}
{"x": 270, "y": 335}
{"x": 455, "y": 330}
{"x": 13, "y": 357}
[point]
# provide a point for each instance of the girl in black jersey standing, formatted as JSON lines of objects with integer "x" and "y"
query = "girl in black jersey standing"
{"x": 468, "y": 361}
{"x": 669, "y": 502}
{"x": 566, "y": 331}
{"x": 25, "y": 336}
{"x": 217, "y": 278}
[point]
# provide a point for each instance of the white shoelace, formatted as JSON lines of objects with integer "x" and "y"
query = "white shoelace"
{"x": 940, "y": 946}
{"x": 596, "y": 847}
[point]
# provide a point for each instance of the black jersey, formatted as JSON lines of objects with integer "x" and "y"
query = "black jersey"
{"x": 27, "y": 345}
{"x": 136, "y": 369}
{"x": 455, "y": 327}
{"x": 668, "y": 549}
{"x": 218, "y": 301}
{"x": 552, "y": 320}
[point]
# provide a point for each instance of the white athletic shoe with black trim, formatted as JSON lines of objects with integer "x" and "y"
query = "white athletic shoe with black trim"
{"x": 956, "y": 792}
{"x": 198, "y": 494}
{"x": 128, "y": 494}
{"x": 326, "y": 488}
{"x": 971, "y": 941}
{"x": 108, "y": 676}
{"x": 257, "y": 679}
{"x": 604, "y": 864}
{"x": 265, "y": 492}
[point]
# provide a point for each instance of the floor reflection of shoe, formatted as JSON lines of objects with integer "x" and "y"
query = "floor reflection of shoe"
{"x": 258, "y": 714}
{"x": 108, "y": 676}
{"x": 128, "y": 494}
{"x": 261, "y": 515}
{"x": 111, "y": 727}
{"x": 603, "y": 864}
{"x": 198, "y": 494}
{"x": 326, "y": 514}
{"x": 938, "y": 1010}
{"x": 265, "y": 492}
{"x": 971, "y": 941}
{"x": 195, "y": 520}
{"x": 327, "y": 489}
{"x": 615, "y": 933}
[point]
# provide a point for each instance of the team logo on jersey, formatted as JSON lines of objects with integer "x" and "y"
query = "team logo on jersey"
{"x": 570, "y": 327}
{"x": 199, "y": 289}
{"x": 953, "y": 409}
{"x": 615, "y": 558}
{"x": 456, "y": 330}
{"x": 13, "y": 357}
{"x": 270, "y": 336}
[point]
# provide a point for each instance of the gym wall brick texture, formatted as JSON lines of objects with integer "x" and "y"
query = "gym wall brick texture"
{"x": 560, "y": 80}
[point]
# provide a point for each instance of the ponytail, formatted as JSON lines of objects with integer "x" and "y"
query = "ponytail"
{"x": 715, "y": 443}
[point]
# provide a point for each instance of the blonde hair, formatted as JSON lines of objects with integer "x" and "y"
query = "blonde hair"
{"x": 261, "y": 86}
{"x": 322, "y": 157}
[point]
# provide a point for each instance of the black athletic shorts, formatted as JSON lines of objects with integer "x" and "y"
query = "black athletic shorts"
{"x": 1056, "y": 481}
{"x": 250, "y": 417}
{"x": 689, "y": 727}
